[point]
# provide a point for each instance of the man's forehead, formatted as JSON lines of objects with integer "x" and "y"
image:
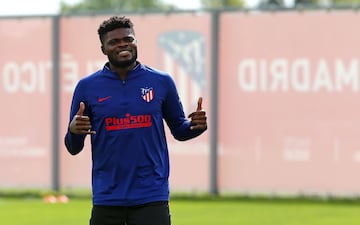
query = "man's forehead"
{"x": 121, "y": 31}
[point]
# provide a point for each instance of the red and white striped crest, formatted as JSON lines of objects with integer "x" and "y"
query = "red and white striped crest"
{"x": 147, "y": 94}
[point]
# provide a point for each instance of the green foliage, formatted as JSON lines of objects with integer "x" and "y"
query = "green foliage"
{"x": 117, "y": 5}
{"x": 219, "y": 4}
{"x": 159, "y": 5}
{"x": 320, "y": 2}
{"x": 331, "y": 2}
{"x": 348, "y": 2}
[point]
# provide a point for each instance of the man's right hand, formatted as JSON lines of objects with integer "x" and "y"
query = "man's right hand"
{"x": 80, "y": 124}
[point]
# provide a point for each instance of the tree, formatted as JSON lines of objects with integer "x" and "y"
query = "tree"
{"x": 328, "y": 2}
{"x": 219, "y": 4}
{"x": 304, "y": 2}
{"x": 335, "y": 3}
{"x": 119, "y": 5}
{"x": 347, "y": 2}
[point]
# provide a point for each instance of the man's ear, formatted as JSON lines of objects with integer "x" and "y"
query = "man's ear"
{"x": 103, "y": 49}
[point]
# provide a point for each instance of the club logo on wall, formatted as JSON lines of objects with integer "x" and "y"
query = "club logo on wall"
{"x": 182, "y": 54}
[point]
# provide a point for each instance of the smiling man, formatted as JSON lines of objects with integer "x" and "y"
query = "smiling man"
{"x": 122, "y": 108}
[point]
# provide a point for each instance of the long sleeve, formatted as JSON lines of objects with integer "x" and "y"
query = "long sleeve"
{"x": 174, "y": 115}
{"x": 75, "y": 142}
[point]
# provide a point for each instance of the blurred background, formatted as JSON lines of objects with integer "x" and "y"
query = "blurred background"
{"x": 280, "y": 82}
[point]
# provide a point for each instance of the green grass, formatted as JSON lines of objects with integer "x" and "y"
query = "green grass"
{"x": 206, "y": 211}
{"x": 264, "y": 213}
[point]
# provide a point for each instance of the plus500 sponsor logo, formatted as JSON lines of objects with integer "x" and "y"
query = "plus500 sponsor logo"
{"x": 127, "y": 122}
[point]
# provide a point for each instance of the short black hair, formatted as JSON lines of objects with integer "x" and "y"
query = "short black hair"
{"x": 113, "y": 23}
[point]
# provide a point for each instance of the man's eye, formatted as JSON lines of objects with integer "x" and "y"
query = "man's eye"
{"x": 128, "y": 39}
{"x": 112, "y": 42}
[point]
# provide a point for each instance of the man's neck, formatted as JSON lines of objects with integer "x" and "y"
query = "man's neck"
{"x": 122, "y": 71}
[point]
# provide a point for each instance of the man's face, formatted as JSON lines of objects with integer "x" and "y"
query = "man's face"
{"x": 120, "y": 47}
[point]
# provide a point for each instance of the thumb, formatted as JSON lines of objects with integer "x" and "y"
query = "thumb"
{"x": 199, "y": 107}
{"x": 81, "y": 109}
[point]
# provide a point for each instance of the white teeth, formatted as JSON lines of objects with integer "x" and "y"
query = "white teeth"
{"x": 124, "y": 53}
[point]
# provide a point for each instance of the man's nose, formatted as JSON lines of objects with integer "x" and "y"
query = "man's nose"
{"x": 123, "y": 43}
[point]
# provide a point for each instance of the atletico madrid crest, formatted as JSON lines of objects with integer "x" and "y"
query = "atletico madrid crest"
{"x": 147, "y": 94}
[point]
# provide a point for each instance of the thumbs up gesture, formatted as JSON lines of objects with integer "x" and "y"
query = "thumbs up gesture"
{"x": 80, "y": 124}
{"x": 198, "y": 118}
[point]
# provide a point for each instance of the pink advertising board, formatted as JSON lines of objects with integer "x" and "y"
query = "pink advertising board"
{"x": 25, "y": 95}
{"x": 289, "y": 87}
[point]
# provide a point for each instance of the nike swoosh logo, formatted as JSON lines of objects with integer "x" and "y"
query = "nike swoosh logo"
{"x": 103, "y": 99}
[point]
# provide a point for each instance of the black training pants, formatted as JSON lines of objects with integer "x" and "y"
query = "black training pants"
{"x": 155, "y": 213}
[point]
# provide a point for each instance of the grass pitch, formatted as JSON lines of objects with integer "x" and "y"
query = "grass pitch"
{"x": 33, "y": 211}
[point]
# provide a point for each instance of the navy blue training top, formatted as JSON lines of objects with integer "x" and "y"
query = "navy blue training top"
{"x": 130, "y": 160}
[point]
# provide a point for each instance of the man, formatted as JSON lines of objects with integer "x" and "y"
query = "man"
{"x": 122, "y": 107}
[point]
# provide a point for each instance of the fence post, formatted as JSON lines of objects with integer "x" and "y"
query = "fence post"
{"x": 55, "y": 102}
{"x": 214, "y": 105}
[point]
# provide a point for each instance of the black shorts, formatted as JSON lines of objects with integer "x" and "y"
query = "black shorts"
{"x": 154, "y": 213}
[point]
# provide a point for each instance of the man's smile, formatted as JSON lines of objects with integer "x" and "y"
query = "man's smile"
{"x": 124, "y": 53}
